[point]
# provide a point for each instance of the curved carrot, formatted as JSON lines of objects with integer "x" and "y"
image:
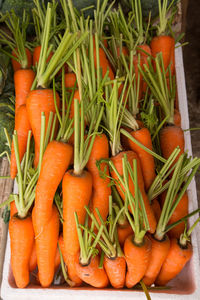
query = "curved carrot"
{"x": 101, "y": 190}
{"x": 38, "y": 101}
{"x": 22, "y": 126}
{"x": 175, "y": 261}
{"x": 46, "y": 244}
{"x": 137, "y": 259}
{"x": 23, "y": 80}
{"x": 91, "y": 273}
{"x": 70, "y": 262}
{"x": 171, "y": 136}
{"x": 33, "y": 259}
{"x": 70, "y": 80}
{"x": 166, "y": 45}
{"x": 159, "y": 252}
{"x": 116, "y": 270}
{"x": 77, "y": 191}
{"x": 146, "y": 160}
{"x": 21, "y": 243}
{"x": 55, "y": 162}
{"x": 117, "y": 161}
{"x": 16, "y": 65}
{"x": 123, "y": 232}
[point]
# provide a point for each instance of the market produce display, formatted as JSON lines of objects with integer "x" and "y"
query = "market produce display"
{"x": 97, "y": 149}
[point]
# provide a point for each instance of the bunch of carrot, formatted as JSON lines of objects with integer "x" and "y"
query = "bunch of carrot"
{"x": 97, "y": 151}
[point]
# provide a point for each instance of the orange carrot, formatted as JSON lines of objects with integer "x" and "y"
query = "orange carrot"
{"x": 22, "y": 126}
{"x": 57, "y": 259}
{"x": 13, "y": 209}
{"x": 137, "y": 259}
{"x": 16, "y": 65}
{"x": 33, "y": 259}
{"x": 177, "y": 117}
{"x": 70, "y": 262}
{"x": 123, "y": 232}
{"x": 38, "y": 101}
{"x": 74, "y": 200}
{"x": 36, "y": 55}
{"x": 70, "y": 80}
{"x": 91, "y": 273}
{"x": 116, "y": 270}
{"x": 56, "y": 159}
{"x": 176, "y": 259}
{"x": 23, "y": 80}
{"x": 101, "y": 190}
{"x": 156, "y": 208}
{"x": 21, "y": 243}
{"x": 46, "y": 244}
{"x": 159, "y": 252}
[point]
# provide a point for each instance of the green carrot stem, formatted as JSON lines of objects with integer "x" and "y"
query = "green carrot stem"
{"x": 83, "y": 253}
{"x": 27, "y": 159}
{"x": 71, "y": 283}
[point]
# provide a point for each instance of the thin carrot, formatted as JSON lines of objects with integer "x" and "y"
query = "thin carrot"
{"x": 22, "y": 126}
{"x": 46, "y": 244}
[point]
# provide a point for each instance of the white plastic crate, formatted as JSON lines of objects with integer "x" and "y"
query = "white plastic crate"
{"x": 185, "y": 286}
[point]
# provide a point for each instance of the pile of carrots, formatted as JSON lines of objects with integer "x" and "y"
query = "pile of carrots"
{"x": 98, "y": 150}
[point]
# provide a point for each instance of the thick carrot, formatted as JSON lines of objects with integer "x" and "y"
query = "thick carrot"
{"x": 166, "y": 45}
{"x": 46, "y": 244}
{"x": 21, "y": 243}
{"x": 16, "y": 65}
{"x": 38, "y": 101}
{"x": 171, "y": 136}
{"x": 33, "y": 259}
{"x": 101, "y": 190}
{"x": 137, "y": 259}
{"x": 77, "y": 191}
{"x": 91, "y": 273}
{"x": 70, "y": 262}
{"x": 117, "y": 161}
{"x": 176, "y": 259}
{"x": 36, "y": 55}
{"x": 22, "y": 126}
{"x": 23, "y": 80}
{"x": 70, "y": 80}
{"x": 159, "y": 252}
{"x": 116, "y": 270}
{"x": 146, "y": 160}
{"x": 123, "y": 232}
{"x": 56, "y": 160}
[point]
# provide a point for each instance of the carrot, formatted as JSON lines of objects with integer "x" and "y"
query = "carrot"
{"x": 21, "y": 242}
{"x": 156, "y": 208}
{"x": 176, "y": 259}
{"x": 177, "y": 117}
{"x": 171, "y": 136}
{"x": 33, "y": 259}
{"x": 146, "y": 159}
{"x": 36, "y": 55}
{"x": 70, "y": 80}
{"x": 23, "y": 80}
{"x": 57, "y": 259}
{"x": 101, "y": 190}
{"x": 143, "y": 60}
{"x": 91, "y": 273}
{"x": 74, "y": 200}
{"x": 123, "y": 232}
{"x": 159, "y": 252}
{"x": 137, "y": 259}
{"x": 46, "y": 244}
{"x": 13, "y": 209}
{"x": 56, "y": 159}
{"x": 22, "y": 126}
{"x": 70, "y": 262}
{"x": 16, "y": 65}
{"x": 123, "y": 50}
{"x": 38, "y": 101}
{"x": 115, "y": 269}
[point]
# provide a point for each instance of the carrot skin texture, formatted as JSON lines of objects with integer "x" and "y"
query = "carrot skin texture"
{"x": 23, "y": 80}
{"x": 147, "y": 161}
{"x": 56, "y": 160}
{"x": 159, "y": 252}
{"x": 21, "y": 242}
{"x": 22, "y": 126}
{"x": 91, "y": 273}
{"x": 101, "y": 190}
{"x": 116, "y": 271}
{"x": 137, "y": 259}
{"x": 38, "y": 101}
{"x": 175, "y": 261}
{"x": 117, "y": 160}
{"x": 77, "y": 191}
{"x": 170, "y": 137}
{"x": 16, "y": 65}
{"x": 70, "y": 262}
{"x": 46, "y": 244}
